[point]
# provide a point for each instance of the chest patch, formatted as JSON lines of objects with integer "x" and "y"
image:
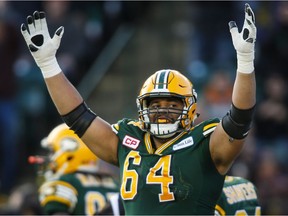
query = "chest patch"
{"x": 184, "y": 143}
{"x": 130, "y": 142}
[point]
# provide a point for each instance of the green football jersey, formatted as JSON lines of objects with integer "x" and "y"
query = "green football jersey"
{"x": 177, "y": 178}
{"x": 79, "y": 193}
{"x": 239, "y": 197}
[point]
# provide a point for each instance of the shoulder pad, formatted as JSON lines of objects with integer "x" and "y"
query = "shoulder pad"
{"x": 208, "y": 126}
{"x": 125, "y": 123}
{"x": 58, "y": 191}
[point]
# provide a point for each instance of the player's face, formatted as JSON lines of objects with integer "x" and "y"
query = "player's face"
{"x": 165, "y": 110}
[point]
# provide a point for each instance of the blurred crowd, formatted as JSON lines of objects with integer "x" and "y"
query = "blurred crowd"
{"x": 264, "y": 158}
{"x": 26, "y": 112}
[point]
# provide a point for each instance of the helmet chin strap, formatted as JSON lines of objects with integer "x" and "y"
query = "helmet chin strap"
{"x": 164, "y": 130}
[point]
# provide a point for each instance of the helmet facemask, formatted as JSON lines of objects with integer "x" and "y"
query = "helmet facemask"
{"x": 168, "y": 126}
{"x": 167, "y": 84}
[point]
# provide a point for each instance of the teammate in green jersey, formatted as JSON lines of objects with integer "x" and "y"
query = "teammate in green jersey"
{"x": 168, "y": 165}
{"x": 73, "y": 184}
{"x": 239, "y": 197}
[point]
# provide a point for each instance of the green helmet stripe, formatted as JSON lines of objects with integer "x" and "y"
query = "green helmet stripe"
{"x": 162, "y": 80}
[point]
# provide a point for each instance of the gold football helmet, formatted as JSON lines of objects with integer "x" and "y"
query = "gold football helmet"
{"x": 68, "y": 152}
{"x": 167, "y": 83}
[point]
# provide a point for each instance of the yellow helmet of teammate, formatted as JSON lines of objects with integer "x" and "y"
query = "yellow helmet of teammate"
{"x": 68, "y": 152}
{"x": 167, "y": 83}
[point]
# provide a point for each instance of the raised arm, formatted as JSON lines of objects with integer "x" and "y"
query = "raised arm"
{"x": 95, "y": 132}
{"x": 228, "y": 138}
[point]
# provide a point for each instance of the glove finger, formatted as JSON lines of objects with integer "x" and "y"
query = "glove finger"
{"x": 60, "y": 31}
{"x": 37, "y": 21}
{"x": 31, "y": 26}
{"x": 250, "y": 28}
{"x": 234, "y": 31}
{"x": 44, "y": 23}
{"x": 25, "y": 33}
{"x": 249, "y": 17}
{"x": 232, "y": 24}
{"x": 233, "y": 28}
{"x": 249, "y": 14}
{"x": 57, "y": 36}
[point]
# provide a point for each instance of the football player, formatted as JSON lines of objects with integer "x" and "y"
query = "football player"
{"x": 73, "y": 184}
{"x": 239, "y": 197}
{"x": 168, "y": 165}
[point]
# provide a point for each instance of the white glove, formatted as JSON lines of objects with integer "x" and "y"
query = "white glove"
{"x": 42, "y": 47}
{"x": 244, "y": 42}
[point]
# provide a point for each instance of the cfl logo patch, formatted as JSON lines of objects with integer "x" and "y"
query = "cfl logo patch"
{"x": 130, "y": 142}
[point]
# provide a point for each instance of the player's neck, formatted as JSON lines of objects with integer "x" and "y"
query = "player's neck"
{"x": 157, "y": 142}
